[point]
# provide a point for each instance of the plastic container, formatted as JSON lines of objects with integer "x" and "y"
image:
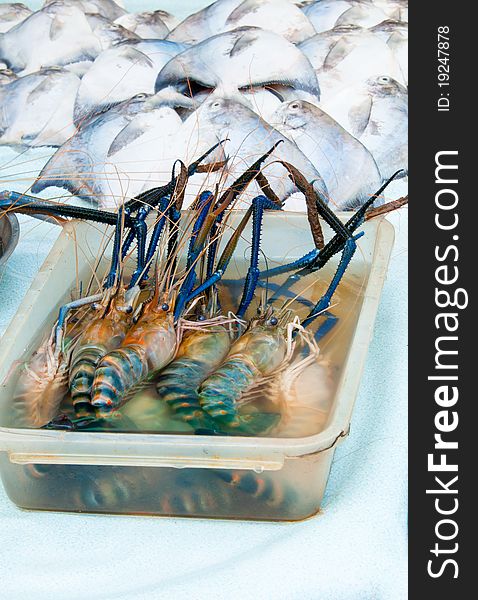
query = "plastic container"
{"x": 182, "y": 475}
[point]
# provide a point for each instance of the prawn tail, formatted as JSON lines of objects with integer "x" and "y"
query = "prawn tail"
{"x": 116, "y": 374}
{"x": 177, "y": 387}
{"x": 82, "y": 375}
{"x": 220, "y": 393}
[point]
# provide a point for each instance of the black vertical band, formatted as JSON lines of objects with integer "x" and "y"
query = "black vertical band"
{"x": 443, "y": 327}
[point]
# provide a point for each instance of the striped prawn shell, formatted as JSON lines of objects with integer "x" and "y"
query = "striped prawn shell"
{"x": 147, "y": 348}
{"x": 104, "y": 334}
{"x": 177, "y": 386}
{"x": 220, "y": 393}
{"x": 200, "y": 353}
{"x": 82, "y": 374}
{"x": 256, "y": 354}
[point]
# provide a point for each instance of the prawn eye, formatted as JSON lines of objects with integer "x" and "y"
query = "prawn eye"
{"x": 128, "y": 310}
{"x": 273, "y": 321}
{"x": 165, "y": 307}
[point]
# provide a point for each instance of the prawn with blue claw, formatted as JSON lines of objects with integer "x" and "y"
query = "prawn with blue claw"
{"x": 221, "y": 354}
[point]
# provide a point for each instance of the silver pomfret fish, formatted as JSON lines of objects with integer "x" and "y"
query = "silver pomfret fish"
{"x": 37, "y": 110}
{"x": 56, "y": 35}
{"x": 11, "y": 14}
{"x": 114, "y": 154}
{"x": 346, "y": 166}
{"x": 248, "y": 138}
{"x": 376, "y": 113}
{"x": 240, "y": 59}
{"x": 122, "y": 72}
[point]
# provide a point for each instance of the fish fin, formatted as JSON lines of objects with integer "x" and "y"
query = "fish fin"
{"x": 83, "y": 116}
{"x": 243, "y": 42}
{"x": 137, "y": 57}
{"x": 38, "y": 91}
{"x": 359, "y": 117}
{"x": 337, "y": 53}
{"x": 56, "y": 27}
{"x": 58, "y": 172}
{"x": 241, "y": 11}
{"x": 169, "y": 96}
{"x": 126, "y": 136}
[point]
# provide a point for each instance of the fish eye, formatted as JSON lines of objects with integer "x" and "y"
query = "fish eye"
{"x": 201, "y": 318}
{"x": 216, "y": 104}
{"x": 295, "y": 105}
{"x": 273, "y": 321}
{"x": 165, "y": 307}
{"x": 384, "y": 79}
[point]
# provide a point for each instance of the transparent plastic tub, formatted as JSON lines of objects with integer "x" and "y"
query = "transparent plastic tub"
{"x": 271, "y": 478}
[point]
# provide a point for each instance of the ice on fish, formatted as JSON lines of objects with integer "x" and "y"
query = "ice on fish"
{"x": 37, "y": 109}
{"x": 122, "y": 72}
{"x": 241, "y": 59}
{"x": 347, "y": 167}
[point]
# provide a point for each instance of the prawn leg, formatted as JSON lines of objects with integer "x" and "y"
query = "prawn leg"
{"x": 40, "y": 208}
{"x": 259, "y": 205}
{"x": 153, "y": 196}
{"x": 204, "y": 205}
{"x": 324, "y": 302}
{"x": 256, "y": 210}
{"x": 326, "y": 327}
{"x": 318, "y": 258}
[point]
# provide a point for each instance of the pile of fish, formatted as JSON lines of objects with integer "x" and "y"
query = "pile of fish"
{"x": 123, "y": 95}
